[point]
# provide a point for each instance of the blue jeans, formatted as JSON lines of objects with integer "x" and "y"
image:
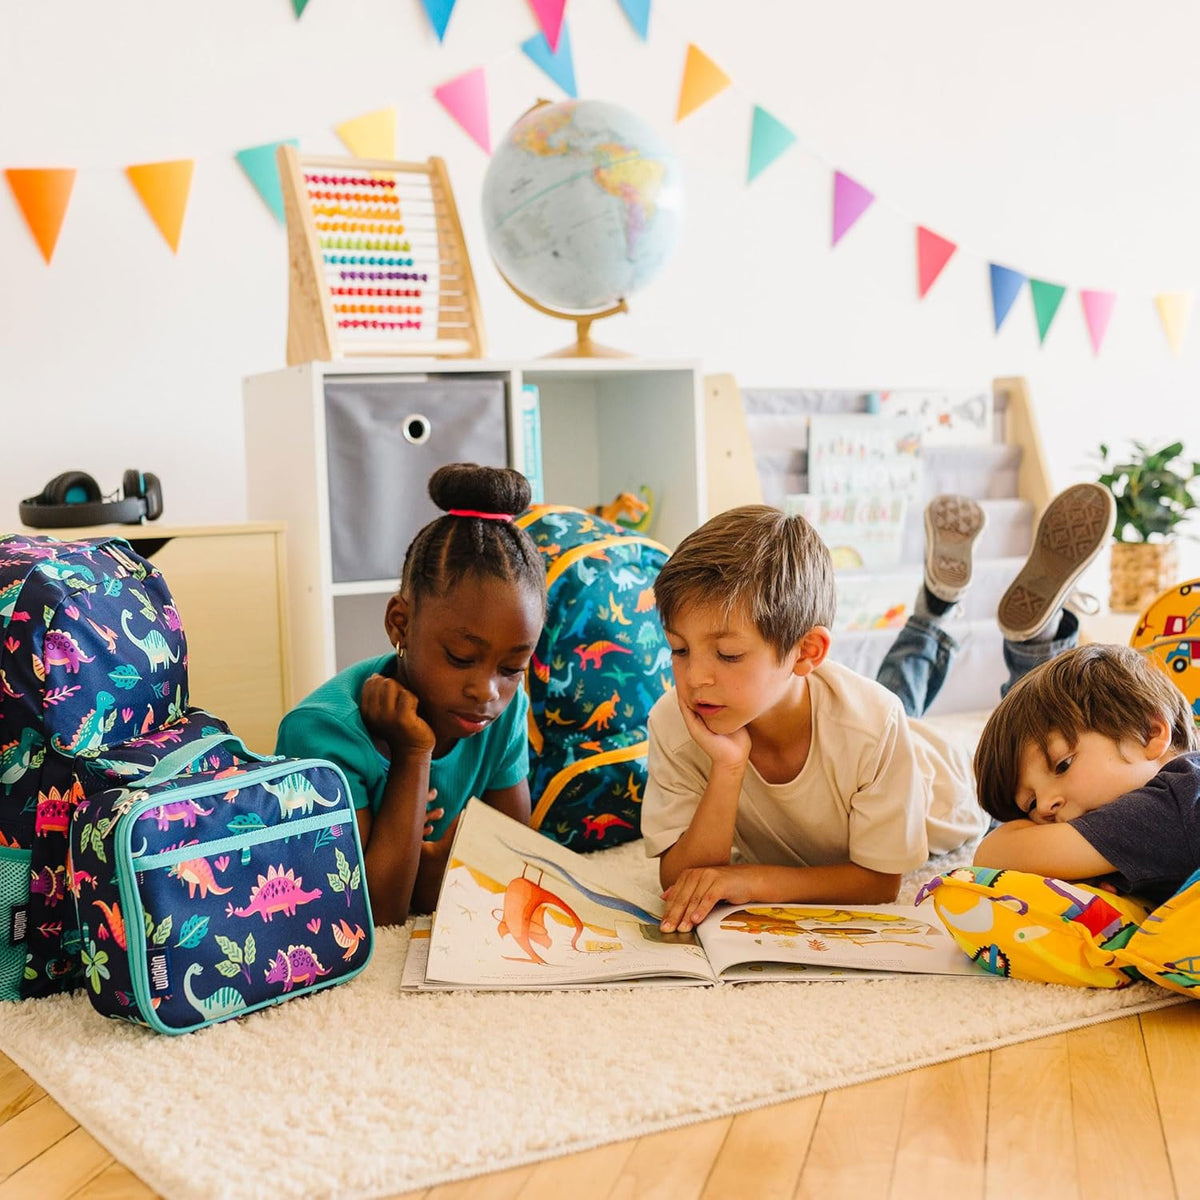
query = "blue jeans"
{"x": 919, "y": 660}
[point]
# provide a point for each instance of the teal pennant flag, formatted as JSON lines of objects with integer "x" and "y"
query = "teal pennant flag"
{"x": 299, "y": 6}
{"x": 638, "y": 12}
{"x": 769, "y": 138}
{"x": 259, "y": 164}
{"x": 558, "y": 65}
{"x": 1046, "y": 299}
{"x": 438, "y": 12}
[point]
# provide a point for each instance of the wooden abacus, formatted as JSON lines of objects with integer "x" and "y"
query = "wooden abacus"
{"x": 377, "y": 264}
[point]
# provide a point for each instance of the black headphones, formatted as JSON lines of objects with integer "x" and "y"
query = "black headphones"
{"x": 74, "y": 498}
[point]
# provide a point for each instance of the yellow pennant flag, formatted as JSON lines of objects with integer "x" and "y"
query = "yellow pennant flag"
{"x": 373, "y": 135}
{"x": 163, "y": 188}
{"x": 1175, "y": 312}
{"x": 702, "y": 80}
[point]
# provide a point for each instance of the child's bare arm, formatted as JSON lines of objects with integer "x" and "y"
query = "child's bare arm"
{"x": 692, "y": 897}
{"x": 392, "y": 837}
{"x": 708, "y": 840}
{"x": 1057, "y": 850}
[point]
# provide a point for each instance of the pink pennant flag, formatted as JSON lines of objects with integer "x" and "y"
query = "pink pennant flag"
{"x": 465, "y": 99}
{"x": 850, "y": 201}
{"x": 1097, "y": 311}
{"x": 549, "y": 15}
{"x": 933, "y": 253}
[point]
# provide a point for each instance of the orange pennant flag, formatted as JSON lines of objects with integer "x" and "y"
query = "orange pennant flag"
{"x": 163, "y": 188}
{"x": 702, "y": 80}
{"x": 42, "y": 194}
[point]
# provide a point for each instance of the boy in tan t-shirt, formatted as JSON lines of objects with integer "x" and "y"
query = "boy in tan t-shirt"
{"x": 818, "y": 780}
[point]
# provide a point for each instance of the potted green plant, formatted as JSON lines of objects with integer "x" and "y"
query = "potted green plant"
{"x": 1153, "y": 491}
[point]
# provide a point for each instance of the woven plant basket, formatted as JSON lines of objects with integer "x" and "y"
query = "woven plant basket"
{"x": 1139, "y": 571}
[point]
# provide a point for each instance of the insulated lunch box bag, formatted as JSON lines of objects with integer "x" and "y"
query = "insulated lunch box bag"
{"x": 208, "y": 895}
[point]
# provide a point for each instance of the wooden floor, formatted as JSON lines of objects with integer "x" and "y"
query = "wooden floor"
{"x": 1106, "y": 1111}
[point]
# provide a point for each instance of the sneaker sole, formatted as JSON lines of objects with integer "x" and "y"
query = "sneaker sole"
{"x": 952, "y": 524}
{"x": 1071, "y": 533}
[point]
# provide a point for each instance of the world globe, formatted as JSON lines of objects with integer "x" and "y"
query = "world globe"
{"x": 582, "y": 204}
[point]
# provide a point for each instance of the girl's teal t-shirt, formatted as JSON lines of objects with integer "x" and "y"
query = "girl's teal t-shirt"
{"x": 327, "y": 724}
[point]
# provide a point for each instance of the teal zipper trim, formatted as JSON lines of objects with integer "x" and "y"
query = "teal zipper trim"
{"x": 131, "y": 904}
{"x": 268, "y": 833}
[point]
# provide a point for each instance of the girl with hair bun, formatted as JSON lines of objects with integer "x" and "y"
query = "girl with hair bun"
{"x": 442, "y": 718}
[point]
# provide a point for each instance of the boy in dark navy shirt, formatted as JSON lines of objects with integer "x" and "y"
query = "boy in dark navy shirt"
{"x": 1092, "y": 761}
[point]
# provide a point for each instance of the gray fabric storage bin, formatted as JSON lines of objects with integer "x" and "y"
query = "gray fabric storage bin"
{"x": 384, "y": 438}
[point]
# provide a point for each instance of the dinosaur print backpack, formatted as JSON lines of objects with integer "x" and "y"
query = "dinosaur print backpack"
{"x": 92, "y": 654}
{"x": 215, "y": 892}
{"x": 600, "y": 664}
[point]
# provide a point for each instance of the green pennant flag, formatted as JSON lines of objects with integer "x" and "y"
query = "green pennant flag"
{"x": 299, "y": 6}
{"x": 769, "y": 138}
{"x": 1046, "y": 299}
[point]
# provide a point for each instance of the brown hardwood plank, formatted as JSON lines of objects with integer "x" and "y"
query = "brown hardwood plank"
{"x": 853, "y": 1149}
{"x": 1119, "y": 1146}
{"x": 115, "y": 1182}
{"x": 586, "y": 1175}
{"x": 1031, "y": 1129}
{"x": 64, "y": 1168}
{"x": 764, "y": 1151}
{"x": 943, "y": 1130}
{"x": 503, "y": 1185}
{"x": 31, "y": 1132}
{"x": 672, "y": 1165}
{"x": 17, "y": 1093}
{"x": 1172, "y": 1040}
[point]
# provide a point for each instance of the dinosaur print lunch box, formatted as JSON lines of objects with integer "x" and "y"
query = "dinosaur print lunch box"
{"x": 205, "y": 895}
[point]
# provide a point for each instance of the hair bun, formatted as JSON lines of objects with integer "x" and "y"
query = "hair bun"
{"x": 483, "y": 489}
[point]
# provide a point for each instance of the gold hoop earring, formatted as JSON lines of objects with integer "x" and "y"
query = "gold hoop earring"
{"x": 400, "y": 652}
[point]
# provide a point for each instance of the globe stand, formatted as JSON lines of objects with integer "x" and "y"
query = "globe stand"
{"x": 583, "y": 347}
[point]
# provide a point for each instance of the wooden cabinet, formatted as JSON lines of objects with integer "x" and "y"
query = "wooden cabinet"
{"x": 607, "y": 426}
{"x": 227, "y": 581}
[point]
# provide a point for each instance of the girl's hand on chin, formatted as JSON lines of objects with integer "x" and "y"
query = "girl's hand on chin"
{"x": 389, "y": 711}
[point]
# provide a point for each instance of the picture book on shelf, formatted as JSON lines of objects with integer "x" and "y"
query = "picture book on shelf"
{"x": 517, "y": 911}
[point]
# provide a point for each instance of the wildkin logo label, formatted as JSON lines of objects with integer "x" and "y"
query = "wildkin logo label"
{"x": 16, "y": 925}
{"x": 158, "y": 966}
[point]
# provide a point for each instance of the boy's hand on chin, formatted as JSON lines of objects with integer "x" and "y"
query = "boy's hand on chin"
{"x": 725, "y": 749}
{"x": 694, "y": 894}
{"x": 389, "y": 711}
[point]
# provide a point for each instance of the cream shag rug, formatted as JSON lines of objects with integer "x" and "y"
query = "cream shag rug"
{"x": 363, "y": 1091}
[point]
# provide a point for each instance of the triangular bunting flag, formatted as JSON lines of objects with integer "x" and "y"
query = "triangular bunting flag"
{"x": 1097, "y": 311}
{"x": 438, "y": 12}
{"x": 373, "y": 135}
{"x": 557, "y": 64}
{"x": 299, "y": 6}
{"x": 850, "y": 201}
{"x": 42, "y": 194}
{"x": 163, "y": 188}
{"x": 549, "y": 15}
{"x": 263, "y": 171}
{"x": 933, "y": 253}
{"x": 1006, "y": 286}
{"x": 1175, "y": 312}
{"x": 465, "y": 99}
{"x": 1046, "y": 299}
{"x": 638, "y": 12}
{"x": 702, "y": 80}
{"x": 769, "y": 138}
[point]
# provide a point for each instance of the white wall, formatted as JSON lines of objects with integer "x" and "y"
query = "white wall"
{"x": 1056, "y": 138}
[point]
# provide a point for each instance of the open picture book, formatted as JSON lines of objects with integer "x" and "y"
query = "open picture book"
{"x": 517, "y": 911}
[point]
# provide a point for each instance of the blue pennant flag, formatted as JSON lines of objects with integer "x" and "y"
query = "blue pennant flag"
{"x": 259, "y": 164}
{"x": 638, "y": 12}
{"x": 559, "y": 66}
{"x": 1006, "y": 286}
{"x": 769, "y": 138}
{"x": 438, "y": 12}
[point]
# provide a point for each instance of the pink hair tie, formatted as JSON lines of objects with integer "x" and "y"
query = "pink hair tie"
{"x": 470, "y": 512}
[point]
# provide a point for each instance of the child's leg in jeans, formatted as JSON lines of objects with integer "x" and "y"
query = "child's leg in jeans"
{"x": 1072, "y": 531}
{"x": 917, "y": 664}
